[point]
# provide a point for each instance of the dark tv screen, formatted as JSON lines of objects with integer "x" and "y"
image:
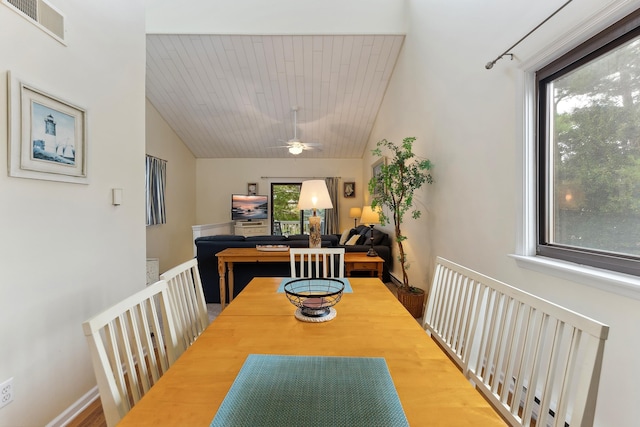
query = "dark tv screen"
{"x": 247, "y": 208}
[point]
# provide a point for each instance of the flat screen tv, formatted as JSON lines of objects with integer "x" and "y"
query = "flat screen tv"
{"x": 247, "y": 208}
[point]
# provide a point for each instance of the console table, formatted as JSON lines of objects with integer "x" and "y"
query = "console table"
{"x": 354, "y": 261}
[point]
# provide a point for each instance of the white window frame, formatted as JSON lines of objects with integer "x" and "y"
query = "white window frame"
{"x": 525, "y": 256}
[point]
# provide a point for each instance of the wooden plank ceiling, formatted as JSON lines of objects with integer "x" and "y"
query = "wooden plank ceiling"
{"x": 231, "y": 96}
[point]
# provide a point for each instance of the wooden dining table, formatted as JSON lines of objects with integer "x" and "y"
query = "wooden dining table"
{"x": 369, "y": 322}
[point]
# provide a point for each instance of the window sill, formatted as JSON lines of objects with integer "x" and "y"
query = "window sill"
{"x": 617, "y": 283}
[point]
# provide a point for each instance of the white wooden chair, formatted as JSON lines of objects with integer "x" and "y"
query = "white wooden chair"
{"x": 187, "y": 302}
{"x": 535, "y": 361}
{"x": 317, "y": 262}
{"x": 132, "y": 344}
{"x": 450, "y": 309}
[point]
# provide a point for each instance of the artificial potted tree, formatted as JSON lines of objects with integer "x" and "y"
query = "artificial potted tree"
{"x": 392, "y": 188}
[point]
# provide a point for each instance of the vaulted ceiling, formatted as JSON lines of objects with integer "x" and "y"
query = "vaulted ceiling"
{"x": 232, "y": 96}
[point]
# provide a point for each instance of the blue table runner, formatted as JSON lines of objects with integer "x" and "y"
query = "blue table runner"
{"x": 281, "y": 391}
{"x": 321, "y": 285}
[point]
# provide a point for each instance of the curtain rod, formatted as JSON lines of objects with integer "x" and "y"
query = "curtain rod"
{"x": 154, "y": 157}
{"x": 490, "y": 64}
{"x": 299, "y": 177}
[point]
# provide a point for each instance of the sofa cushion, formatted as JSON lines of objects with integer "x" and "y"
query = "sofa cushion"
{"x": 379, "y": 236}
{"x": 220, "y": 237}
{"x": 333, "y": 240}
{"x": 353, "y": 240}
{"x": 365, "y": 236}
{"x": 298, "y": 237}
{"x": 361, "y": 228}
{"x": 266, "y": 238}
{"x": 327, "y": 239}
{"x": 345, "y": 236}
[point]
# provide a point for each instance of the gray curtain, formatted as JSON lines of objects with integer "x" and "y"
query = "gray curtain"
{"x": 332, "y": 215}
{"x": 156, "y": 178}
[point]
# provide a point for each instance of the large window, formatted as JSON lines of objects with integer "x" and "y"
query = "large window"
{"x": 589, "y": 152}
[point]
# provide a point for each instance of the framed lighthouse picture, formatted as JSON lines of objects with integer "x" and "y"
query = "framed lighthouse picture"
{"x": 48, "y": 136}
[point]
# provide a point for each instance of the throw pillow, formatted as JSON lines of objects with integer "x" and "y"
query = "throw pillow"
{"x": 378, "y": 237}
{"x": 352, "y": 240}
{"x": 345, "y": 235}
{"x": 365, "y": 236}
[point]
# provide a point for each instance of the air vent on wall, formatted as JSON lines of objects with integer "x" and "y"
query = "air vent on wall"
{"x": 42, "y": 14}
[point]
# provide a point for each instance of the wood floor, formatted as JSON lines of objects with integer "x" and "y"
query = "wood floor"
{"x": 90, "y": 417}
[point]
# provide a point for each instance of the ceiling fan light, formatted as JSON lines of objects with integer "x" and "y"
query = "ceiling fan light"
{"x": 295, "y": 150}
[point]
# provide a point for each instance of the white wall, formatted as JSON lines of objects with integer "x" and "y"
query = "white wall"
{"x": 172, "y": 242}
{"x": 466, "y": 120}
{"x": 217, "y": 179}
{"x": 65, "y": 251}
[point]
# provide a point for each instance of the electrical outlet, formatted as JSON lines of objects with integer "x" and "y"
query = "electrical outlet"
{"x": 6, "y": 392}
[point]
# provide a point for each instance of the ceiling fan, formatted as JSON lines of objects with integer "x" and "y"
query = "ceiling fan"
{"x": 294, "y": 145}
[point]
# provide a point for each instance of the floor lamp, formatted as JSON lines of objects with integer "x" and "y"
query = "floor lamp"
{"x": 355, "y": 213}
{"x": 314, "y": 195}
{"x": 370, "y": 217}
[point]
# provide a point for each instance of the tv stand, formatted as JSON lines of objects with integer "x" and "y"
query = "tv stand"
{"x": 251, "y": 228}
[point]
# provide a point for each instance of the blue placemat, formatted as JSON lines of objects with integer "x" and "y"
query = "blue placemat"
{"x": 347, "y": 285}
{"x": 283, "y": 391}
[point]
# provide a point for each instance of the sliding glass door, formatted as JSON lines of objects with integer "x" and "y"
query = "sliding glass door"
{"x": 285, "y": 216}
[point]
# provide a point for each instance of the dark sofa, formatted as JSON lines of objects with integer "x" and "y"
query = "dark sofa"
{"x": 208, "y": 246}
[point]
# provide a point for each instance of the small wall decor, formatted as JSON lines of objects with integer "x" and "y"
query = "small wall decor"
{"x": 349, "y": 189}
{"x": 252, "y": 189}
{"x": 47, "y": 136}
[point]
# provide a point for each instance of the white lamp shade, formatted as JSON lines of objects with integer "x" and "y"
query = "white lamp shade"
{"x": 314, "y": 195}
{"x": 369, "y": 216}
{"x": 355, "y": 213}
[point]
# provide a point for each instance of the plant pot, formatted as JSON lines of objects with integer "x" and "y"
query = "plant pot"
{"x": 412, "y": 301}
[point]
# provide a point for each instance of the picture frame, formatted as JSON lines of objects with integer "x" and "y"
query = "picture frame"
{"x": 376, "y": 169}
{"x": 252, "y": 189}
{"x": 48, "y": 138}
{"x": 349, "y": 189}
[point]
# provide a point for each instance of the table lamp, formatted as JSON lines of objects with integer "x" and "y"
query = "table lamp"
{"x": 314, "y": 195}
{"x": 370, "y": 217}
{"x": 355, "y": 213}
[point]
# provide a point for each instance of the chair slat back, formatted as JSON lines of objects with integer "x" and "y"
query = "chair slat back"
{"x": 317, "y": 262}
{"x": 188, "y": 302}
{"x": 132, "y": 344}
{"x": 452, "y": 312}
{"x": 534, "y": 360}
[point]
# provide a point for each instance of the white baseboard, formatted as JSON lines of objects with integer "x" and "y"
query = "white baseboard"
{"x": 76, "y": 409}
{"x": 395, "y": 280}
